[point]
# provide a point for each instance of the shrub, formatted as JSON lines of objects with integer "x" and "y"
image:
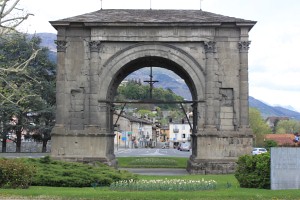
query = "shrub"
{"x": 14, "y": 173}
{"x": 270, "y": 143}
{"x": 254, "y": 171}
{"x": 70, "y": 174}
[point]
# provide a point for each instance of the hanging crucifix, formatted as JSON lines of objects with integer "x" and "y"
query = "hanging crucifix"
{"x": 151, "y": 83}
{"x": 201, "y": 4}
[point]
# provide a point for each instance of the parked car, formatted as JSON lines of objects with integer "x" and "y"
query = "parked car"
{"x": 185, "y": 147}
{"x": 257, "y": 151}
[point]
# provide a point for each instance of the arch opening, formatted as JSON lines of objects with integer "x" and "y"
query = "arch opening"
{"x": 184, "y": 136}
{"x": 151, "y": 61}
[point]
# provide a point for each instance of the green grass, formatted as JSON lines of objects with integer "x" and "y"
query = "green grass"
{"x": 152, "y": 162}
{"x": 222, "y": 192}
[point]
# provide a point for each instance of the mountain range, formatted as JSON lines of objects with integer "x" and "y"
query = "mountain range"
{"x": 168, "y": 79}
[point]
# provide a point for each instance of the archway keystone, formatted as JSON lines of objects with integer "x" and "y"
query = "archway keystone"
{"x": 96, "y": 51}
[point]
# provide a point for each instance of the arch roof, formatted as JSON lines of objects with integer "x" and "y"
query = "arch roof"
{"x": 151, "y": 17}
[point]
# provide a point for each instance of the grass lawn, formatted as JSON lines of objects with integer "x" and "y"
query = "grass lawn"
{"x": 152, "y": 162}
{"x": 223, "y": 191}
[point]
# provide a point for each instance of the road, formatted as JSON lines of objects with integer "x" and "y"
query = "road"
{"x": 119, "y": 152}
{"x": 151, "y": 152}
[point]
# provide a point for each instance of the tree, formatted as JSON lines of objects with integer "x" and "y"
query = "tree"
{"x": 133, "y": 90}
{"x": 258, "y": 126}
{"x": 26, "y": 92}
{"x": 270, "y": 143}
{"x": 10, "y": 18}
{"x": 18, "y": 82}
{"x": 287, "y": 126}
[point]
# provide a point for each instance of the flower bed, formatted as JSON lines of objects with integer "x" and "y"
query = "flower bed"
{"x": 164, "y": 185}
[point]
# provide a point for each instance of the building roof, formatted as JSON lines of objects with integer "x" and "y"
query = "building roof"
{"x": 135, "y": 119}
{"x": 151, "y": 16}
{"x": 273, "y": 119}
{"x": 281, "y": 139}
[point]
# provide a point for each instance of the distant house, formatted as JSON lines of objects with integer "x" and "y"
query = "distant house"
{"x": 281, "y": 139}
{"x": 129, "y": 128}
{"x": 272, "y": 121}
{"x": 164, "y": 133}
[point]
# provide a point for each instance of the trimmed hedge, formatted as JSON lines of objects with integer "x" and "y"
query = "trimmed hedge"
{"x": 71, "y": 174}
{"x": 254, "y": 171}
{"x": 15, "y": 174}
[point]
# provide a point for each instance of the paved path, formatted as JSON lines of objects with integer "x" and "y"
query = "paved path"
{"x": 21, "y": 155}
{"x": 120, "y": 152}
{"x": 144, "y": 152}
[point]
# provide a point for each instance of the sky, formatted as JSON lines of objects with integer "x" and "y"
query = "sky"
{"x": 274, "y": 69}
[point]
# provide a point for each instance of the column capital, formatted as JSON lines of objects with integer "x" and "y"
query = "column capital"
{"x": 210, "y": 47}
{"x": 94, "y": 45}
{"x": 61, "y": 45}
{"x": 244, "y": 46}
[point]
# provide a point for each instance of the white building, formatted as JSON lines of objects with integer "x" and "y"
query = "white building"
{"x": 179, "y": 132}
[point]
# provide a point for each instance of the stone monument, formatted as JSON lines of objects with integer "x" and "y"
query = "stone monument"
{"x": 97, "y": 50}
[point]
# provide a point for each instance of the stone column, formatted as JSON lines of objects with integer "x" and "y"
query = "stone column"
{"x": 210, "y": 50}
{"x": 94, "y": 116}
{"x": 60, "y": 82}
{"x": 244, "y": 88}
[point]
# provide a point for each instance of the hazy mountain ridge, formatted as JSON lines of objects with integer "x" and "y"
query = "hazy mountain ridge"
{"x": 168, "y": 79}
{"x": 268, "y": 111}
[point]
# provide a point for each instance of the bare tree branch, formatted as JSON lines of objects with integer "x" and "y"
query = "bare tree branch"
{"x": 10, "y": 18}
{"x": 7, "y": 23}
{"x": 4, "y": 13}
{"x": 18, "y": 67}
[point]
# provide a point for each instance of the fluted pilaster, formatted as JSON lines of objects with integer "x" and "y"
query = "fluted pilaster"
{"x": 244, "y": 84}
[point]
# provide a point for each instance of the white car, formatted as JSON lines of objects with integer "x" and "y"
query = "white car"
{"x": 185, "y": 147}
{"x": 257, "y": 151}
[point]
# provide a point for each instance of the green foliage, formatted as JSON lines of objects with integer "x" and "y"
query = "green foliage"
{"x": 69, "y": 174}
{"x": 254, "y": 171}
{"x": 270, "y": 143}
{"x": 222, "y": 192}
{"x": 146, "y": 113}
{"x": 136, "y": 91}
{"x": 258, "y": 126}
{"x": 27, "y": 85}
{"x": 15, "y": 174}
{"x": 288, "y": 126}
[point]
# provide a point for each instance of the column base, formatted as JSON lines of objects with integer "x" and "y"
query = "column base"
{"x": 211, "y": 166}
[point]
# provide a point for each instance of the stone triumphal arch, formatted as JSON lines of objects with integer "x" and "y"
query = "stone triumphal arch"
{"x": 96, "y": 51}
